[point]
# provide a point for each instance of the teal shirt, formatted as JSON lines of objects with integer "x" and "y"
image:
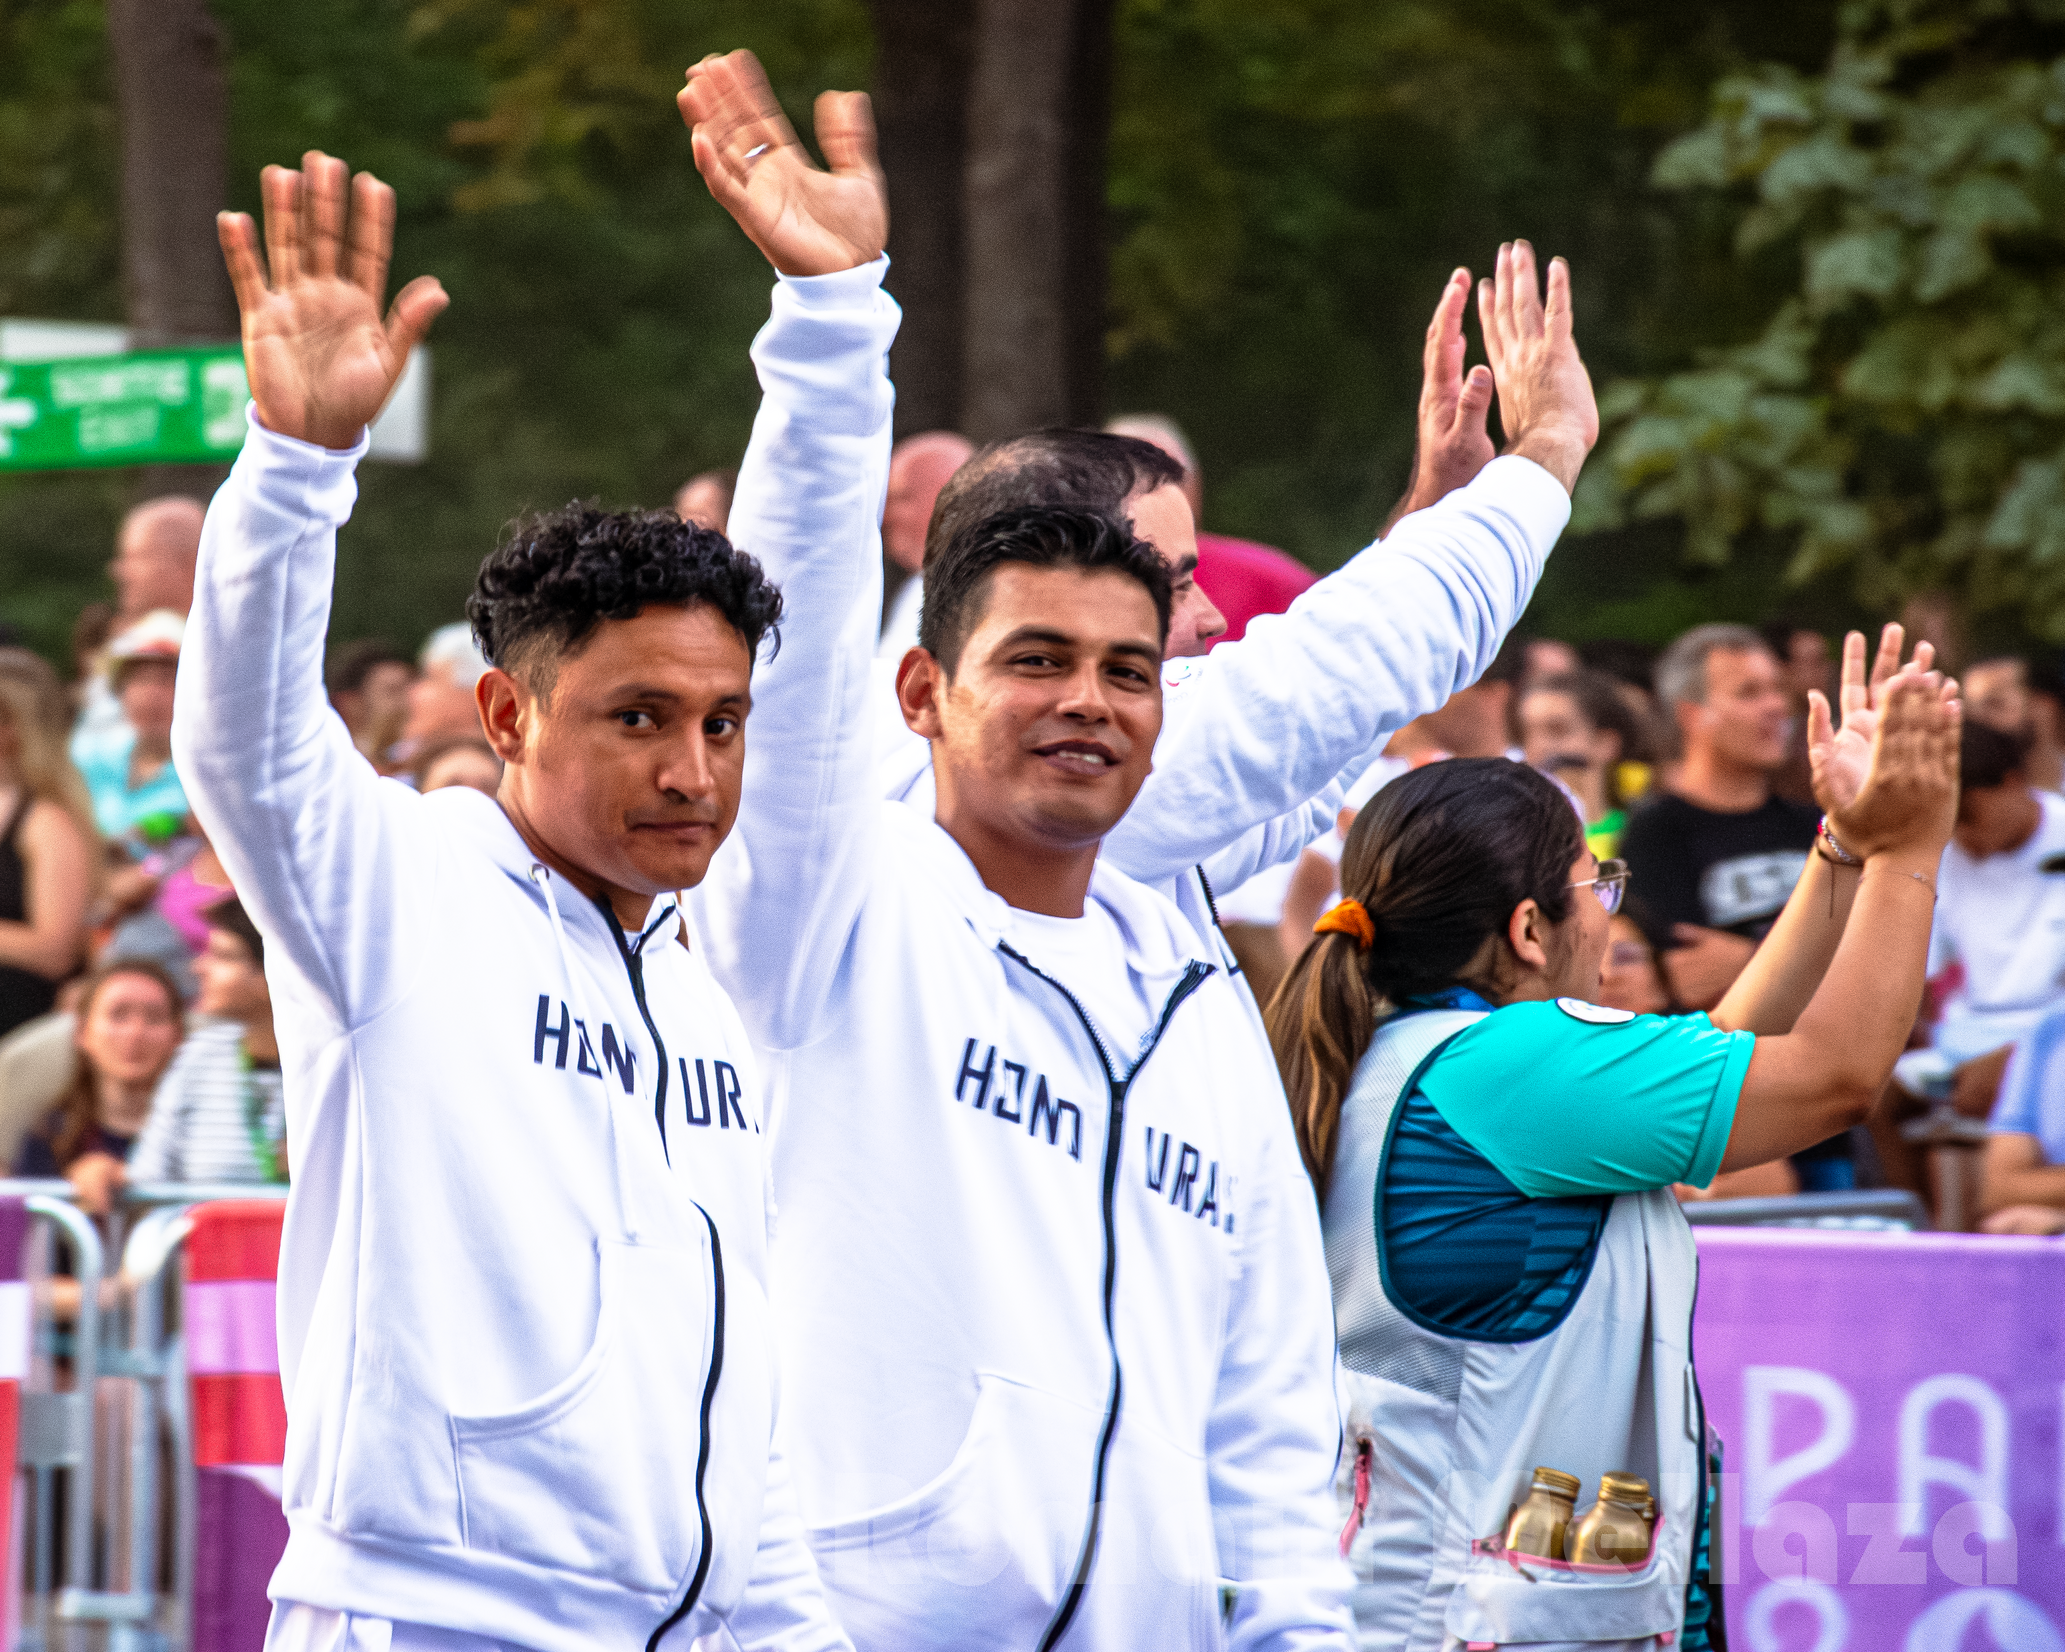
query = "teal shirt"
{"x": 1567, "y": 1098}
{"x": 103, "y": 760}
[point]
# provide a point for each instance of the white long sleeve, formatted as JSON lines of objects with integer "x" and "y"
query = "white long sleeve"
{"x": 1260, "y": 726}
{"x": 311, "y": 836}
{"x": 783, "y": 894}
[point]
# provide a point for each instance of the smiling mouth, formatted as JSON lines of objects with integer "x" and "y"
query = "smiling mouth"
{"x": 1079, "y": 756}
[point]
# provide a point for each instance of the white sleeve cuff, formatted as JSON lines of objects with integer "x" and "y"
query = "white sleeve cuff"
{"x": 839, "y": 289}
{"x": 1524, "y": 487}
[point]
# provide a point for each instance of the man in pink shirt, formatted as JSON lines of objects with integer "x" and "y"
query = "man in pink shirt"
{"x": 1243, "y": 578}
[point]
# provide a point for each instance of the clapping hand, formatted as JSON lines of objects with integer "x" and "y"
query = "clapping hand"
{"x": 1545, "y": 394}
{"x": 806, "y": 220}
{"x": 1840, "y": 757}
{"x": 1888, "y": 776}
{"x": 321, "y": 360}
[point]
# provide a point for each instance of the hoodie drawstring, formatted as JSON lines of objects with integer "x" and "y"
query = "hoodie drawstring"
{"x": 621, "y": 1180}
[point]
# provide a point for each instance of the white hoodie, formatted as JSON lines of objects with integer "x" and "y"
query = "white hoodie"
{"x": 1056, "y": 1327}
{"x": 523, "y": 1325}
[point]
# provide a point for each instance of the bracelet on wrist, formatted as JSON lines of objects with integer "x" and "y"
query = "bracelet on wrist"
{"x": 1831, "y": 849}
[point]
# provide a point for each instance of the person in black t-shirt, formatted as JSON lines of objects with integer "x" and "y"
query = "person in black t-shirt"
{"x": 1715, "y": 858}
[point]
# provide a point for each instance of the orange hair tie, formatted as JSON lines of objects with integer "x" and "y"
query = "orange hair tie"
{"x": 1348, "y": 918}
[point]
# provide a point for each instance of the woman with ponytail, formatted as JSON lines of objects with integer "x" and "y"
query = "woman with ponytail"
{"x": 1494, "y": 1153}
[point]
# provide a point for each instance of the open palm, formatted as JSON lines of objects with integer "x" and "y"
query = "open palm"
{"x": 320, "y": 357}
{"x": 1840, "y": 757}
{"x": 808, "y": 221}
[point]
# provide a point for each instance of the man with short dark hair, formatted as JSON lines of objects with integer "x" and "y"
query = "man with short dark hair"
{"x": 523, "y": 1319}
{"x": 1057, "y": 1346}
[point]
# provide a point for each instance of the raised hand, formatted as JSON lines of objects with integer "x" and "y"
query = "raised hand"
{"x": 1840, "y": 758}
{"x": 1453, "y": 443}
{"x": 1545, "y": 394}
{"x": 1907, "y": 803}
{"x": 321, "y": 360}
{"x": 806, "y": 220}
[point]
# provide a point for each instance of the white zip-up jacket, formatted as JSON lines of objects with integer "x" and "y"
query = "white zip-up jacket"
{"x": 1056, "y": 1331}
{"x": 523, "y": 1322}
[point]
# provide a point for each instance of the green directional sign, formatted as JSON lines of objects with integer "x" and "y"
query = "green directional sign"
{"x": 155, "y": 407}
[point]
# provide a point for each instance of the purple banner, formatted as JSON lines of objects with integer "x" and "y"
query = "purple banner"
{"x": 239, "y": 1535}
{"x": 1893, "y": 1407}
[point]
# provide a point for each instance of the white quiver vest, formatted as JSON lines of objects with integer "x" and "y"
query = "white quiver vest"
{"x": 1455, "y": 1428}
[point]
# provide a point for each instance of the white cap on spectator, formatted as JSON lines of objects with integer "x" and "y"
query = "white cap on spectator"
{"x": 453, "y": 646}
{"x": 157, "y": 636}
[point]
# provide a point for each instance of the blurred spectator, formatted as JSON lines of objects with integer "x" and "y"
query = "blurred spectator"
{"x": 128, "y": 768}
{"x": 1632, "y": 667}
{"x": 90, "y": 633}
{"x": 36, "y": 1062}
{"x": 1631, "y": 979}
{"x": 218, "y": 1114}
{"x": 705, "y": 499}
{"x": 458, "y": 760}
{"x": 1578, "y": 730}
{"x": 127, "y": 1027}
{"x": 2024, "y": 1189}
{"x": 441, "y": 698}
{"x": 49, "y": 852}
{"x": 1715, "y": 858}
{"x": 1243, "y": 578}
{"x": 1804, "y": 663}
{"x": 1545, "y": 658}
{"x": 153, "y": 569}
{"x": 919, "y": 466}
{"x": 2000, "y": 923}
{"x": 160, "y": 905}
{"x": 2008, "y": 695}
{"x": 369, "y": 685}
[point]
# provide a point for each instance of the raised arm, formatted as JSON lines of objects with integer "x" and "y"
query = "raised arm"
{"x": 784, "y": 892}
{"x": 311, "y": 837}
{"x": 1266, "y": 722}
{"x": 1823, "y": 1075}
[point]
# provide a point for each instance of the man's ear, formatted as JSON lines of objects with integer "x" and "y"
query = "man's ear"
{"x": 1527, "y": 934}
{"x": 921, "y": 685}
{"x": 506, "y": 708}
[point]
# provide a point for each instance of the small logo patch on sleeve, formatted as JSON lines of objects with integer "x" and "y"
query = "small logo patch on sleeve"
{"x": 1598, "y": 1015}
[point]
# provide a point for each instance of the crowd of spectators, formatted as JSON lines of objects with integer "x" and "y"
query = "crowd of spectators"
{"x": 136, "y": 1028}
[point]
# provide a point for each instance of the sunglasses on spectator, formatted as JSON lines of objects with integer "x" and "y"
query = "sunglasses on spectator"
{"x": 1611, "y": 883}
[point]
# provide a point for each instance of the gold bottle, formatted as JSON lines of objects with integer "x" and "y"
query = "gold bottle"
{"x": 1615, "y": 1530}
{"x": 1537, "y": 1527}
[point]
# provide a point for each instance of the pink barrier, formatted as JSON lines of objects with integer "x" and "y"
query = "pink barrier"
{"x": 1894, "y": 1412}
{"x": 16, "y": 1320}
{"x": 239, "y": 1419}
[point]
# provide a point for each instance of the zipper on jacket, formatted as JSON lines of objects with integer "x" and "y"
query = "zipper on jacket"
{"x": 1194, "y": 975}
{"x": 634, "y": 966}
{"x": 702, "y": 1571}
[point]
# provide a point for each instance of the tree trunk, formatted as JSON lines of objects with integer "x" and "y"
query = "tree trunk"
{"x": 923, "y": 58}
{"x": 1038, "y": 118}
{"x": 173, "y": 96}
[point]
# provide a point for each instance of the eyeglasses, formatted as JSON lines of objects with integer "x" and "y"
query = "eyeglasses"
{"x": 1611, "y": 884}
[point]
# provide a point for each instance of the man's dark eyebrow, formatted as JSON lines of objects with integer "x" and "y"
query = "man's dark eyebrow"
{"x": 666, "y": 696}
{"x": 1139, "y": 648}
{"x": 1183, "y": 567}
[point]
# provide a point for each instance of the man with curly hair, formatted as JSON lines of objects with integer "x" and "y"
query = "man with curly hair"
{"x": 523, "y": 1316}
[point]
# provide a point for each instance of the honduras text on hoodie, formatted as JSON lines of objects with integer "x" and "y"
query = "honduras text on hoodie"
{"x": 1056, "y": 1329}
{"x": 523, "y": 1320}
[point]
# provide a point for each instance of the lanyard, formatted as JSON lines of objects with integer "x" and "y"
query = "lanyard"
{"x": 263, "y": 1147}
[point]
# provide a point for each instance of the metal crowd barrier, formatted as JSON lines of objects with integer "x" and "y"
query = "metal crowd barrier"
{"x": 1885, "y": 1209}
{"x": 115, "y": 1554}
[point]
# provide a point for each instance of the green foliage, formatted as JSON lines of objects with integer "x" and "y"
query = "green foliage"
{"x": 1900, "y": 416}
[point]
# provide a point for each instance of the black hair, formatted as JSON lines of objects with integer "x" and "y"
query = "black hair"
{"x": 1987, "y": 756}
{"x": 229, "y": 916}
{"x": 957, "y": 579}
{"x": 1622, "y": 660}
{"x": 1439, "y": 859}
{"x": 557, "y": 575}
{"x": 1091, "y": 471}
{"x": 353, "y": 662}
